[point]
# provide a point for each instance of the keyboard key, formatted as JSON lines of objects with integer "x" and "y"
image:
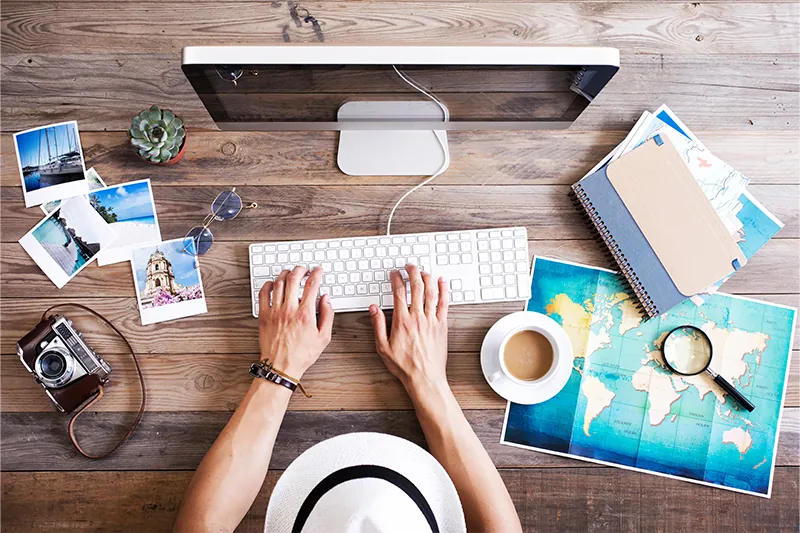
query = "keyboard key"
{"x": 295, "y": 246}
{"x": 495, "y": 293}
{"x": 369, "y": 252}
{"x": 482, "y": 234}
{"x": 335, "y": 244}
{"x": 508, "y": 267}
{"x": 497, "y": 280}
{"x": 380, "y": 251}
{"x": 483, "y": 257}
{"x": 337, "y": 290}
{"x": 258, "y": 259}
{"x": 283, "y": 258}
{"x": 405, "y": 249}
{"x": 387, "y": 300}
{"x": 394, "y": 251}
{"x": 344, "y": 253}
{"x": 372, "y": 242}
{"x": 486, "y": 281}
{"x": 379, "y": 275}
{"x": 331, "y": 254}
{"x": 494, "y": 234}
{"x": 283, "y": 247}
{"x": 441, "y": 247}
{"x": 276, "y": 269}
{"x": 455, "y": 260}
{"x": 497, "y": 268}
{"x": 452, "y": 247}
{"x": 256, "y": 249}
{"x": 342, "y": 278}
{"x": 357, "y": 302}
{"x": 523, "y": 285}
{"x": 508, "y": 255}
{"x": 420, "y": 249}
{"x": 324, "y": 290}
{"x": 441, "y": 259}
{"x": 330, "y": 279}
{"x": 361, "y": 289}
{"x": 464, "y": 236}
{"x": 270, "y": 248}
{"x": 294, "y": 257}
{"x": 351, "y": 265}
{"x": 347, "y": 244}
{"x": 485, "y": 269}
{"x": 466, "y": 259}
{"x": 510, "y": 279}
{"x": 374, "y": 288}
{"x": 349, "y": 290}
{"x": 320, "y": 245}
{"x": 388, "y": 262}
{"x": 385, "y": 240}
{"x": 441, "y": 237}
{"x": 257, "y": 284}
{"x": 469, "y": 296}
{"x": 261, "y": 272}
{"x": 452, "y": 237}
{"x": 375, "y": 264}
{"x": 319, "y": 255}
{"x": 506, "y": 233}
{"x": 520, "y": 255}
{"x": 522, "y": 266}
{"x": 519, "y": 232}
{"x": 367, "y": 276}
{"x": 455, "y": 284}
{"x": 483, "y": 245}
{"x": 355, "y": 277}
{"x": 308, "y": 246}
{"x": 511, "y": 292}
{"x": 423, "y": 238}
{"x": 386, "y": 287}
{"x": 338, "y": 266}
{"x": 327, "y": 267}
{"x": 308, "y": 256}
{"x": 398, "y": 240}
{"x": 457, "y": 296}
{"x": 400, "y": 262}
{"x": 356, "y": 253}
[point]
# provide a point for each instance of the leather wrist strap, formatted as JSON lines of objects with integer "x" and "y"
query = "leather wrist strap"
{"x": 100, "y": 387}
{"x": 259, "y": 371}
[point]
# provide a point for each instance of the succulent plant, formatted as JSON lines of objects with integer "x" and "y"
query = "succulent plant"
{"x": 157, "y": 135}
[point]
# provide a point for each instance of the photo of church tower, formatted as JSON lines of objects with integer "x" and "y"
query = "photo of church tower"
{"x": 159, "y": 277}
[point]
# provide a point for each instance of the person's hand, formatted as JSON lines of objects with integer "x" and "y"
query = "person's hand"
{"x": 288, "y": 333}
{"x": 416, "y": 349}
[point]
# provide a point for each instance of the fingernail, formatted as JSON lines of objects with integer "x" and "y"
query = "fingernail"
{"x": 373, "y": 309}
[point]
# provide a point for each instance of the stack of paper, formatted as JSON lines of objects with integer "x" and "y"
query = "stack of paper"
{"x": 751, "y": 224}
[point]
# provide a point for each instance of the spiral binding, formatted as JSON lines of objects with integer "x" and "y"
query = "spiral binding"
{"x": 612, "y": 251}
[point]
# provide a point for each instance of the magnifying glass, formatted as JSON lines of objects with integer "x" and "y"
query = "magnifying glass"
{"x": 687, "y": 351}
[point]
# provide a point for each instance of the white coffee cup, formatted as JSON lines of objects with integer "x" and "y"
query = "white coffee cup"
{"x": 504, "y": 371}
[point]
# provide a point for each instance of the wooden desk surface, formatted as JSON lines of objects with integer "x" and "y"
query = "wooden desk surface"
{"x": 728, "y": 68}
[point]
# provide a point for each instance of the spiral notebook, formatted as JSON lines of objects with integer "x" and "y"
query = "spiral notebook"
{"x": 658, "y": 225}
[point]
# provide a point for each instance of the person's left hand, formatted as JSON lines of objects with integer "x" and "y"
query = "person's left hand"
{"x": 288, "y": 333}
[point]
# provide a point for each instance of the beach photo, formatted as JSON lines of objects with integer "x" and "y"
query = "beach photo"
{"x": 50, "y": 162}
{"x": 168, "y": 283}
{"x": 67, "y": 240}
{"x": 130, "y": 210}
{"x": 94, "y": 181}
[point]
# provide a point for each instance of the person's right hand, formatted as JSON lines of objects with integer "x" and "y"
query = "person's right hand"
{"x": 416, "y": 349}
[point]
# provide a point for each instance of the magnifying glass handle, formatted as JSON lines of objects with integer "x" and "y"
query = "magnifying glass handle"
{"x": 744, "y": 402}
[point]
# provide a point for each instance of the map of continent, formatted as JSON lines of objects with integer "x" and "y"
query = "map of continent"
{"x": 622, "y": 406}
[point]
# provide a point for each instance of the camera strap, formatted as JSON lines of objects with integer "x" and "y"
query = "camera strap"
{"x": 99, "y": 394}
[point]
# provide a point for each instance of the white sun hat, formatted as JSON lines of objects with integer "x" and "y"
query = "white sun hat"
{"x": 365, "y": 483}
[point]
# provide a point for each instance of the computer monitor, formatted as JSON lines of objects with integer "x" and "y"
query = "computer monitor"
{"x": 375, "y": 95}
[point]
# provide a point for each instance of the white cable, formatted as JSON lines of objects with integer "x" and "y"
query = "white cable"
{"x": 438, "y": 135}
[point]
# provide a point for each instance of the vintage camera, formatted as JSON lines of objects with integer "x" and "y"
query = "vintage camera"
{"x": 55, "y": 353}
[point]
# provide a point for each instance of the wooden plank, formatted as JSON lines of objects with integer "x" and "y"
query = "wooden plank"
{"x": 636, "y": 27}
{"x": 218, "y": 382}
{"x": 743, "y": 92}
{"x": 226, "y": 271}
{"x": 178, "y": 441}
{"x": 318, "y": 212}
{"x": 549, "y": 500}
{"x": 499, "y": 158}
{"x": 229, "y": 328}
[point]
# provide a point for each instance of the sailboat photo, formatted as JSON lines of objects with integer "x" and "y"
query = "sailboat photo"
{"x": 51, "y": 159}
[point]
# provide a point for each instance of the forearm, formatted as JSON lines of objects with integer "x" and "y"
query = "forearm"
{"x": 484, "y": 497}
{"x": 231, "y": 474}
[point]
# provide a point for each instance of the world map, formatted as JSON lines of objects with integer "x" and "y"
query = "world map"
{"x": 623, "y": 407}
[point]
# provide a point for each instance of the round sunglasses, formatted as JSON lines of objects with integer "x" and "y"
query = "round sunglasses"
{"x": 226, "y": 206}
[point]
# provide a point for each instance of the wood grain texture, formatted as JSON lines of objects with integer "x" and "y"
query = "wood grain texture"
{"x": 744, "y": 92}
{"x": 317, "y": 212}
{"x": 496, "y": 158}
{"x": 551, "y": 500}
{"x": 229, "y": 328}
{"x": 218, "y": 382}
{"x": 96, "y": 27}
{"x": 178, "y": 441}
{"x": 225, "y": 271}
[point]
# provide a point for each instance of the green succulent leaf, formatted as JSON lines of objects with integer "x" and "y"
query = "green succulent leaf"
{"x": 141, "y": 143}
{"x": 157, "y": 134}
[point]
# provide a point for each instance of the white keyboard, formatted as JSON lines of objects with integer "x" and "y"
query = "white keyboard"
{"x": 481, "y": 266}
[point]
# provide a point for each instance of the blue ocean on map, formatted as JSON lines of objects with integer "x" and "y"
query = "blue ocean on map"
{"x": 622, "y": 406}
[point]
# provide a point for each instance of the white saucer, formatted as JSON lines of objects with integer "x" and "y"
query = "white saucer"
{"x": 548, "y": 386}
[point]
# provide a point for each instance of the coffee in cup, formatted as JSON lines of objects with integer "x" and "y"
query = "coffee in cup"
{"x": 527, "y": 355}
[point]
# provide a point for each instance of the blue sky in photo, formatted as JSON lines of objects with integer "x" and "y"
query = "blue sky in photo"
{"x": 28, "y": 143}
{"x": 129, "y": 201}
{"x": 182, "y": 263}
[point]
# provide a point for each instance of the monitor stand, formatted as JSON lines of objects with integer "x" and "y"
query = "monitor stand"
{"x": 386, "y": 152}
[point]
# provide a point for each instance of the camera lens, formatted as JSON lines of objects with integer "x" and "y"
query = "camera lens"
{"x": 53, "y": 365}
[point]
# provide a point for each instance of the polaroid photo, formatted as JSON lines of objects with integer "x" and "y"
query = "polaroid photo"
{"x": 167, "y": 280}
{"x": 67, "y": 240}
{"x": 95, "y": 182}
{"x": 50, "y": 162}
{"x": 130, "y": 210}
